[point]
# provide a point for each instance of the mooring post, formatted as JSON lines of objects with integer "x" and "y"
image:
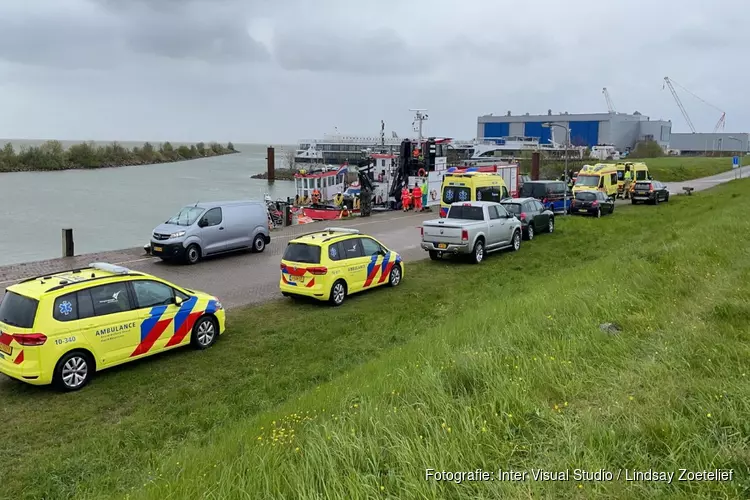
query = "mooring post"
{"x": 535, "y": 166}
{"x": 271, "y": 164}
{"x": 68, "y": 249}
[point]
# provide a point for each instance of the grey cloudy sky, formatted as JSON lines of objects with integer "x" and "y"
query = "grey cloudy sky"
{"x": 277, "y": 71}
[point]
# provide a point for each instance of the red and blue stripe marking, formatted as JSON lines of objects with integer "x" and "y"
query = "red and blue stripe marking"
{"x": 443, "y": 212}
{"x": 184, "y": 321}
{"x": 372, "y": 270}
{"x": 154, "y": 326}
{"x": 387, "y": 266}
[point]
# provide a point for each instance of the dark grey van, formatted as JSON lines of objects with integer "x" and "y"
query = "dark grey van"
{"x": 211, "y": 228}
{"x": 550, "y": 193}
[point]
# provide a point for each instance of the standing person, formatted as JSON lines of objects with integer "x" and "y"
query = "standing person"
{"x": 405, "y": 198}
{"x": 626, "y": 184}
{"x": 417, "y": 195}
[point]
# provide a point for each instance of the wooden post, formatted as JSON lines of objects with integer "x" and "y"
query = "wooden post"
{"x": 535, "y": 166}
{"x": 271, "y": 164}
{"x": 68, "y": 249}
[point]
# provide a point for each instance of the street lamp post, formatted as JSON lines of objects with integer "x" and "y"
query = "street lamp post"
{"x": 739, "y": 168}
{"x": 567, "y": 146}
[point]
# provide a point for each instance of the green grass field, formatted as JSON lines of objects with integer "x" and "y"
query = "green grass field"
{"x": 679, "y": 168}
{"x": 501, "y": 365}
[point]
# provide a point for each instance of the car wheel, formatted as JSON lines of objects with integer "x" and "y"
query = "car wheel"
{"x": 666, "y": 198}
{"x": 478, "y": 254}
{"x": 516, "y": 242}
{"x": 395, "y": 276}
{"x": 338, "y": 293}
{"x": 259, "y": 243}
{"x": 530, "y": 232}
{"x": 205, "y": 333}
{"x": 192, "y": 254}
{"x": 656, "y": 199}
{"x": 612, "y": 210}
{"x": 598, "y": 212}
{"x": 434, "y": 255}
{"x": 551, "y": 225}
{"x": 73, "y": 371}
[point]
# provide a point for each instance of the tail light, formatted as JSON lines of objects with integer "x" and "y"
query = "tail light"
{"x": 523, "y": 215}
{"x": 464, "y": 235}
{"x": 544, "y": 201}
{"x": 421, "y": 230}
{"x": 594, "y": 203}
{"x": 30, "y": 339}
{"x": 317, "y": 270}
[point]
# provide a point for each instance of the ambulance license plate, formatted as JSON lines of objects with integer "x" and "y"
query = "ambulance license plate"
{"x": 6, "y": 349}
{"x": 297, "y": 279}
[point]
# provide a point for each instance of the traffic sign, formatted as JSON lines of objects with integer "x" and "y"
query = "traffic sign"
{"x": 735, "y": 162}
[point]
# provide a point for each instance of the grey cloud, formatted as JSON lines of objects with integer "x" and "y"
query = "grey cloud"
{"x": 379, "y": 52}
{"x": 70, "y": 43}
{"x": 209, "y": 40}
{"x": 703, "y": 38}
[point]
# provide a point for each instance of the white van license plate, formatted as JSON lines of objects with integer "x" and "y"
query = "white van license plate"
{"x": 158, "y": 249}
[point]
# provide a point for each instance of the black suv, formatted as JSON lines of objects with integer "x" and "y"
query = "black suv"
{"x": 532, "y": 214}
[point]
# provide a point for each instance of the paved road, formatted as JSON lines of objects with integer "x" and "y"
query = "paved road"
{"x": 246, "y": 278}
{"x": 708, "y": 182}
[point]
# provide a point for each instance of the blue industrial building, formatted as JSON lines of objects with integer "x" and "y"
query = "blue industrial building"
{"x": 621, "y": 130}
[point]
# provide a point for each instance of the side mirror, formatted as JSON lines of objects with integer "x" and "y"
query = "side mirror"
{"x": 177, "y": 300}
{"x": 202, "y": 223}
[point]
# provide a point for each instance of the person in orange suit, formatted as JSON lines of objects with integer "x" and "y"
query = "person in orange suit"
{"x": 416, "y": 194}
{"x": 405, "y": 198}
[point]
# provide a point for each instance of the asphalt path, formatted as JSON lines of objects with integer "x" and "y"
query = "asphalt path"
{"x": 248, "y": 278}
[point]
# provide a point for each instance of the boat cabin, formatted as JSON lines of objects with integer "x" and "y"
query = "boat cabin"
{"x": 328, "y": 180}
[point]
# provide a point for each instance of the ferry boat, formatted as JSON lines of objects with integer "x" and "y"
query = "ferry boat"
{"x": 509, "y": 148}
{"x": 340, "y": 148}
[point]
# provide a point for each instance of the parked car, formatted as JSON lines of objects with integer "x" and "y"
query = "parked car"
{"x": 592, "y": 203}
{"x": 95, "y": 318}
{"x": 649, "y": 192}
{"x": 552, "y": 194}
{"x": 334, "y": 263}
{"x": 212, "y": 228}
{"x": 532, "y": 214}
{"x": 472, "y": 228}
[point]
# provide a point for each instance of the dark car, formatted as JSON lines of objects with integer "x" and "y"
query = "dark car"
{"x": 532, "y": 214}
{"x": 592, "y": 203}
{"x": 550, "y": 193}
{"x": 649, "y": 192}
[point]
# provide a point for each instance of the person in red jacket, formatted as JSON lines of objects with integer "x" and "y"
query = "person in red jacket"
{"x": 405, "y": 198}
{"x": 416, "y": 194}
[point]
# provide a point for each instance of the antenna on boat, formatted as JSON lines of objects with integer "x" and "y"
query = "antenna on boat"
{"x": 382, "y": 134}
{"x": 419, "y": 117}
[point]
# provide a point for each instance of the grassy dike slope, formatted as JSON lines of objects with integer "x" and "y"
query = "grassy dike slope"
{"x": 495, "y": 366}
{"x": 511, "y": 370}
{"x": 685, "y": 168}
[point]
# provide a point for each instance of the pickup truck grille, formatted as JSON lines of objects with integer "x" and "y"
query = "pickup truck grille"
{"x": 160, "y": 237}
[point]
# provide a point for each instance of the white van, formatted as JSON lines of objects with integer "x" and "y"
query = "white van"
{"x": 211, "y": 228}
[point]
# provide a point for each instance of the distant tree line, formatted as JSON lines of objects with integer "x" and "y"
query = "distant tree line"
{"x": 53, "y": 156}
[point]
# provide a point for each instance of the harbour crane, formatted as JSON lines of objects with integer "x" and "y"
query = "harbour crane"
{"x": 610, "y": 105}
{"x": 670, "y": 84}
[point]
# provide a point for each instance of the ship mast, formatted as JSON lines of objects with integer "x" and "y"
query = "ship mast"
{"x": 419, "y": 117}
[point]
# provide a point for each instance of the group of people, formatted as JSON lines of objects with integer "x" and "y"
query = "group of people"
{"x": 415, "y": 197}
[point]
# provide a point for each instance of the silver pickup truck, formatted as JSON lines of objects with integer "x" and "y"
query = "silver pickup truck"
{"x": 472, "y": 228}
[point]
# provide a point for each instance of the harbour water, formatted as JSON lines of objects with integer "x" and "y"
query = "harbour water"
{"x": 115, "y": 208}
